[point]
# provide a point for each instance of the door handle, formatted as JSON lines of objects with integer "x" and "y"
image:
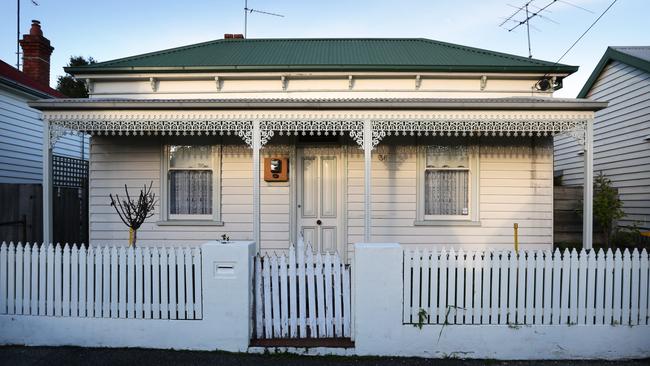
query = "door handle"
{"x": 318, "y": 222}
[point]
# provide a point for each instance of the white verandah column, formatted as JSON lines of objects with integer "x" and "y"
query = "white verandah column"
{"x": 367, "y": 176}
{"x": 257, "y": 144}
{"x": 47, "y": 183}
{"x": 588, "y": 189}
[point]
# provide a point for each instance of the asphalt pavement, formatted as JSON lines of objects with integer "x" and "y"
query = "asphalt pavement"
{"x": 71, "y": 356}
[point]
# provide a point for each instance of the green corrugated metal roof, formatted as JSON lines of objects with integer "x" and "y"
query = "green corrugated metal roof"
{"x": 368, "y": 54}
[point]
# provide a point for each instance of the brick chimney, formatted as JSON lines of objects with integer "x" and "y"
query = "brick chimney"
{"x": 36, "y": 54}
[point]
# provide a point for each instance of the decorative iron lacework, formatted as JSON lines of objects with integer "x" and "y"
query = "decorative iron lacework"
{"x": 186, "y": 125}
{"x": 141, "y": 127}
{"x": 476, "y": 127}
{"x": 312, "y": 127}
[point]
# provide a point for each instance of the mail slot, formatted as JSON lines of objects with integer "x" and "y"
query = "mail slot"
{"x": 276, "y": 169}
{"x": 224, "y": 269}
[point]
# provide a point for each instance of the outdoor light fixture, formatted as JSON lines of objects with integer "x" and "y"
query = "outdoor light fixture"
{"x": 545, "y": 84}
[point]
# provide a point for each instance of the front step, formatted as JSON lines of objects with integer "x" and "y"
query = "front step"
{"x": 303, "y": 342}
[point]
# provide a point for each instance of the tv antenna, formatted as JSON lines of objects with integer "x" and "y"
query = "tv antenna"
{"x": 248, "y": 10}
{"x": 18, "y": 31}
{"x": 529, "y": 10}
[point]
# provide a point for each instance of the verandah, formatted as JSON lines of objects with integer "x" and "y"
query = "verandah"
{"x": 366, "y": 128}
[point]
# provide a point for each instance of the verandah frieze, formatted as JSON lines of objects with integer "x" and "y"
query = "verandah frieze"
{"x": 508, "y": 126}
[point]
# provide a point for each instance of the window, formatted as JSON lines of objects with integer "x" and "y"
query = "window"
{"x": 192, "y": 183}
{"x": 447, "y": 185}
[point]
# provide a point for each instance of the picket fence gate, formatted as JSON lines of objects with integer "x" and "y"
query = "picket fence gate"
{"x": 302, "y": 295}
{"x": 532, "y": 287}
{"x": 100, "y": 281}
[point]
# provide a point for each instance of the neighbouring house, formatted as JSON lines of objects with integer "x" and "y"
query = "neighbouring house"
{"x": 621, "y": 131}
{"x": 414, "y": 141}
{"x": 21, "y": 137}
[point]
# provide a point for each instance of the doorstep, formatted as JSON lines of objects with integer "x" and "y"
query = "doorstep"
{"x": 303, "y": 342}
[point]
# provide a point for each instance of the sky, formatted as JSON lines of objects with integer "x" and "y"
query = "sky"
{"x": 112, "y": 29}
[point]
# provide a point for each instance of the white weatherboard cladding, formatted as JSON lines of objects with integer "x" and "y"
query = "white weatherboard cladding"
{"x": 620, "y": 149}
{"x": 515, "y": 186}
{"x": 21, "y": 138}
{"x": 313, "y": 85}
{"x": 136, "y": 161}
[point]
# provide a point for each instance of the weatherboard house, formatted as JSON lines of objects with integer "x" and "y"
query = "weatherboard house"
{"x": 621, "y": 131}
{"x": 414, "y": 141}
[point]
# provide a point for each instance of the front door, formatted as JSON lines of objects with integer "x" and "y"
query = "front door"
{"x": 319, "y": 198}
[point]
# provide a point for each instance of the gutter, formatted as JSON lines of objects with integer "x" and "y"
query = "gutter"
{"x": 234, "y": 68}
{"x": 25, "y": 89}
{"x": 274, "y": 104}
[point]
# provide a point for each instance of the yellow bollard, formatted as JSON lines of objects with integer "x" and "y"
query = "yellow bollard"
{"x": 516, "y": 226}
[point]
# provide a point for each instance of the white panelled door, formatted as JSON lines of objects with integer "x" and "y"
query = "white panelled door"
{"x": 319, "y": 198}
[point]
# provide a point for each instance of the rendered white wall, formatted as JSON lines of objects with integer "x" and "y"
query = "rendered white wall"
{"x": 379, "y": 329}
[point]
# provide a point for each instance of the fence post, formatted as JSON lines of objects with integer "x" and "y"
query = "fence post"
{"x": 227, "y": 277}
{"x": 378, "y": 297}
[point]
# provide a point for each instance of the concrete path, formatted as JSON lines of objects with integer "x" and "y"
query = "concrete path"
{"x": 71, "y": 356}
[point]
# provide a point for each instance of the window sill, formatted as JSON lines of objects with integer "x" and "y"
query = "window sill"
{"x": 189, "y": 223}
{"x": 446, "y": 223}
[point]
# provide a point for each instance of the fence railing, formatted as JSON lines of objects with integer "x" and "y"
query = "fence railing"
{"x": 532, "y": 287}
{"x": 302, "y": 295}
{"x": 100, "y": 281}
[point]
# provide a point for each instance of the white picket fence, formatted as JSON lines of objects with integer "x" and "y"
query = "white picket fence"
{"x": 302, "y": 295}
{"x": 534, "y": 287}
{"x": 100, "y": 282}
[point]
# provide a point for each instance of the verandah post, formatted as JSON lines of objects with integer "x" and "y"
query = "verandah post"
{"x": 257, "y": 144}
{"x": 47, "y": 182}
{"x": 367, "y": 153}
{"x": 588, "y": 191}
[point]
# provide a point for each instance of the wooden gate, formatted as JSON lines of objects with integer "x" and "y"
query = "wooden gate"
{"x": 70, "y": 200}
{"x": 302, "y": 295}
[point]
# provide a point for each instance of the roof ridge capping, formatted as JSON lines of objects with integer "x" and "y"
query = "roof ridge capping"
{"x": 324, "y": 54}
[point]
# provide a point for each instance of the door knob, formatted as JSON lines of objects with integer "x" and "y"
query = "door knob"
{"x": 318, "y": 222}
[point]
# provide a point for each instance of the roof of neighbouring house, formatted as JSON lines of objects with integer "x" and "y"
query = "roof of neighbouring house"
{"x": 637, "y": 56}
{"x": 331, "y": 54}
{"x": 16, "y": 79}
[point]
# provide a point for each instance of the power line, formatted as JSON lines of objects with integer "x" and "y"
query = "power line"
{"x": 585, "y": 32}
{"x": 578, "y": 40}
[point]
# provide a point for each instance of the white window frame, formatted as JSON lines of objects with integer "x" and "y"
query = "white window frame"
{"x": 215, "y": 217}
{"x": 473, "y": 188}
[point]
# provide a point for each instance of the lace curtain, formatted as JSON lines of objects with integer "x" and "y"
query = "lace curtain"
{"x": 446, "y": 192}
{"x": 190, "y": 192}
{"x": 190, "y": 180}
{"x": 446, "y": 181}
